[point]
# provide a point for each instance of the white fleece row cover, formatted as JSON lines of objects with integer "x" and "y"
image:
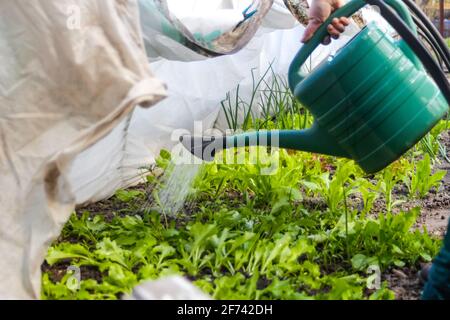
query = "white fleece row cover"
{"x": 83, "y": 87}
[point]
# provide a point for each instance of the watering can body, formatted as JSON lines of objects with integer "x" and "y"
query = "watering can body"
{"x": 370, "y": 100}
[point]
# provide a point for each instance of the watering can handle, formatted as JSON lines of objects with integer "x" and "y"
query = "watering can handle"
{"x": 295, "y": 73}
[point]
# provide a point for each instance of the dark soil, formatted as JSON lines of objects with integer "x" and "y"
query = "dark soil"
{"x": 59, "y": 270}
{"x": 111, "y": 207}
{"x": 404, "y": 282}
{"x": 435, "y": 215}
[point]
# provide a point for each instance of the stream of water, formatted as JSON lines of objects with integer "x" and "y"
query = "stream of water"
{"x": 176, "y": 185}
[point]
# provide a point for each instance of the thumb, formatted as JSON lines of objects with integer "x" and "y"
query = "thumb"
{"x": 311, "y": 28}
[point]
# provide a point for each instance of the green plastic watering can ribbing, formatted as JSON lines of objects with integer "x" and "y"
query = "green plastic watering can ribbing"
{"x": 372, "y": 100}
{"x": 295, "y": 74}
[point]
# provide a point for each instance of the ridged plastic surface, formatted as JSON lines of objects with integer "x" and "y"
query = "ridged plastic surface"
{"x": 372, "y": 99}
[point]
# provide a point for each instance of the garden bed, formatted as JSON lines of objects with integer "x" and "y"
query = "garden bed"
{"x": 102, "y": 238}
{"x": 318, "y": 227}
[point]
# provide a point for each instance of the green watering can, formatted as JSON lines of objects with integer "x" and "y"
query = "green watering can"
{"x": 372, "y": 101}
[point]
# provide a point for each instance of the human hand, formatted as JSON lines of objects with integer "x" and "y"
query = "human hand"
{"x": 319, "y": 12}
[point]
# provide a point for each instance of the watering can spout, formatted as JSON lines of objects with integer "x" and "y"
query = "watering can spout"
{"x": 314, "y": 139}
{"x": 311, "y": 140}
